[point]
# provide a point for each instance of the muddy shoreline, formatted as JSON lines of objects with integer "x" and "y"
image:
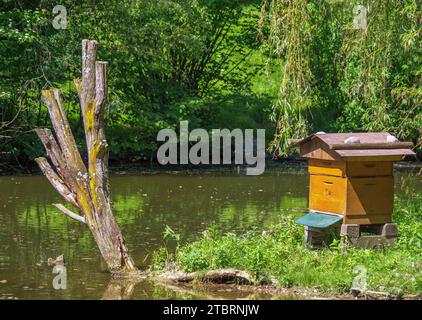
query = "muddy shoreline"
{"x": 268, "y": 292}
{"x": 205, "y": 290}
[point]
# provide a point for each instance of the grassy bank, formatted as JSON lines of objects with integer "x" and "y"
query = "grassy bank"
{"x": 277, "y": 256}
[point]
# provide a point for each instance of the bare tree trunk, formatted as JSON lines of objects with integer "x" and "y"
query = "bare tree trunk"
{"x": 85, "y": 188}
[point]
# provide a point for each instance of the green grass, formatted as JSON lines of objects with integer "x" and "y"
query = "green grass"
{"x": 278, "y": 256}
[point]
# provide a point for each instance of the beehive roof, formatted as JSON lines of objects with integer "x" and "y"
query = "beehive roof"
{"x": 340, "y": 146}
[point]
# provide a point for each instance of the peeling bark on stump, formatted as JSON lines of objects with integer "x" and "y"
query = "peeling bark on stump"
{"x": 85, "y": 188}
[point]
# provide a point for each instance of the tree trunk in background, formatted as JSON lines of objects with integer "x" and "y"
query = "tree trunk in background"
{"x": 85, "y": 188}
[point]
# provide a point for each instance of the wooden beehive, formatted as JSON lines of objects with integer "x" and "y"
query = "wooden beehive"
{"x": 351, "y": 174}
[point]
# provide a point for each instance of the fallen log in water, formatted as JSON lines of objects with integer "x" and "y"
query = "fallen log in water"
{"x": 213, "y": 276}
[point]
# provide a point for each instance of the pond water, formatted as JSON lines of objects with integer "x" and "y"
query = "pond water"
{"x": 32, "y": 230}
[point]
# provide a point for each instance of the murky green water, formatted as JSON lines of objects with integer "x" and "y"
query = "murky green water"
{"x": 32, "y": 230}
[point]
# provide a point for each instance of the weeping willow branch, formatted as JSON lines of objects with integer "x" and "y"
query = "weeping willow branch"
{"x": 369, "y": 53}
{"x": 289, "y": 40}
{"x": 379, "y": 99}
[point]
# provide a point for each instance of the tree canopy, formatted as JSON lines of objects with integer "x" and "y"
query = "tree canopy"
{"x": 291, "y": 67}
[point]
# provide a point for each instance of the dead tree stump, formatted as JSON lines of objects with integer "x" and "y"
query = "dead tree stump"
{"x": 86, "y": 188}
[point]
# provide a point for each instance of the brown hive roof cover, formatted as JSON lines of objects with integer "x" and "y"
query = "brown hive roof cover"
{"x": 350, "y": 145}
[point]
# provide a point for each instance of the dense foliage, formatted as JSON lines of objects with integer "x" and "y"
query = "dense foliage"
{"x": 291, "y": 67}
{"x": 346, "y": 67}
{"x": 170, "y": 60}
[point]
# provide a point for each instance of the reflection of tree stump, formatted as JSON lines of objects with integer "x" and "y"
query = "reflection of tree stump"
{"x": 202, "y": 292}
{"x": 120, "y": 289}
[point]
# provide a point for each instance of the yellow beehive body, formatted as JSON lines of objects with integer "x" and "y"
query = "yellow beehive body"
{"x": 361, "y": 191}
{"x": 355, "y": 180}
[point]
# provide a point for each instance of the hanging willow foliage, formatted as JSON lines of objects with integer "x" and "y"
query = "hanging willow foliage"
{"x": 382, "y": 73}
{"x": 288, "y": 40}
{"x": 371, "y": 74}
{"x": 369, "y": 53}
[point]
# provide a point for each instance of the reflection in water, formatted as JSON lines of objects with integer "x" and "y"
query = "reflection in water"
{"x": 120, "y": 289}
{"x": 125, "y": 289}
{"x": 31, "y": 230}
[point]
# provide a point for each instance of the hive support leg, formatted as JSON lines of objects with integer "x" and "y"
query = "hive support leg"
{"x": 312, "y": 237}
{"x": 349, "y": 233}
{"x": 385, "y": 235}
{"x": 315, "y": 237}
{"x": 389, "y": 230}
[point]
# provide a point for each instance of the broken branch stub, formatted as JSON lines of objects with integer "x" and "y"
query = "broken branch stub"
{"x": 85, "y": 187}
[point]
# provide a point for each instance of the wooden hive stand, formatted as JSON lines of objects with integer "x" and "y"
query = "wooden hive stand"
{"x": 351, "y": 177}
